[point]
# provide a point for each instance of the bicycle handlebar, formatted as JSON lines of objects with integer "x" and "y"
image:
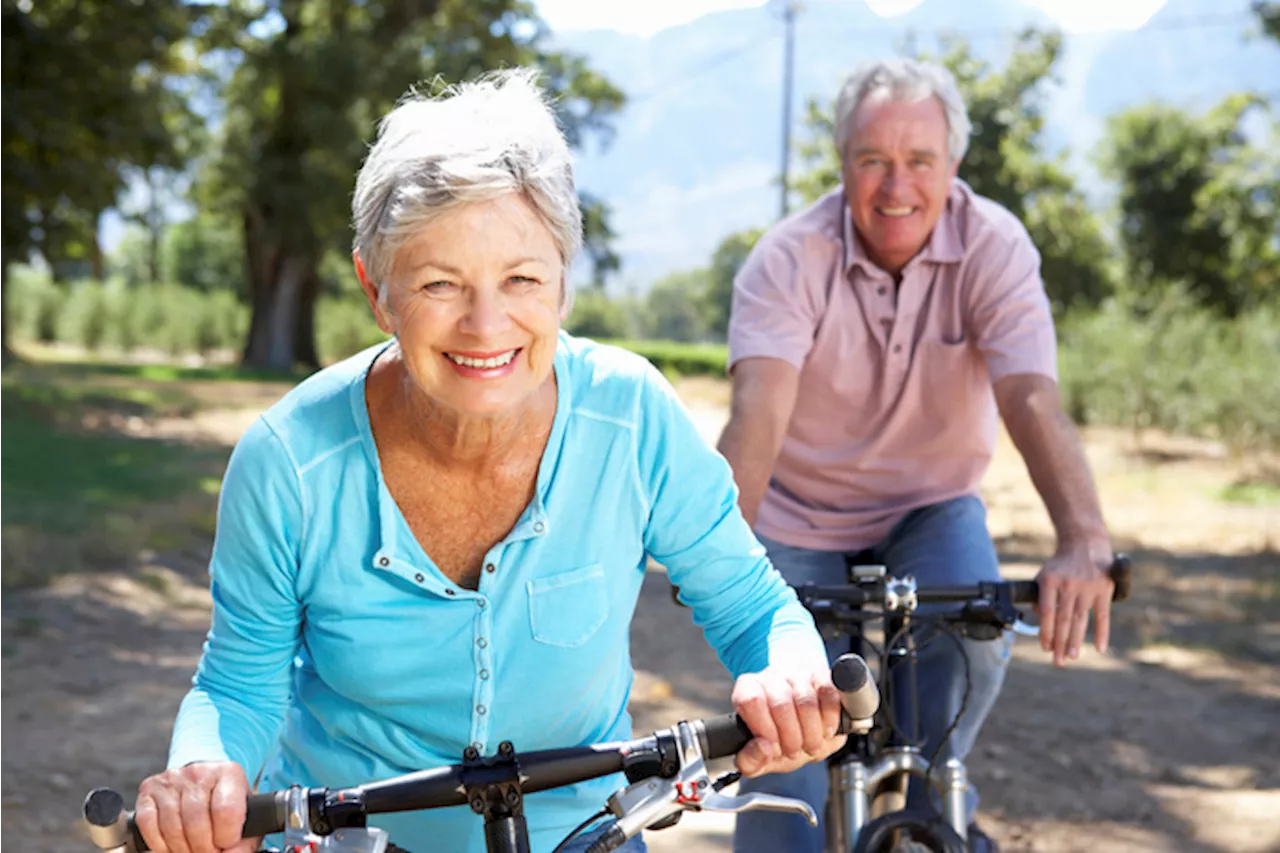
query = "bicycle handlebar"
{"x": 112, "y": 828}
{"x": 1019, "y": 592}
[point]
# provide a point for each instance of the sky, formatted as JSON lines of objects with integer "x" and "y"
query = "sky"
{"x": 646, "y": 17}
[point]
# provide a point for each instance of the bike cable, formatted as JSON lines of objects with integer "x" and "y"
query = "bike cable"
{"x": 579, "y": 829}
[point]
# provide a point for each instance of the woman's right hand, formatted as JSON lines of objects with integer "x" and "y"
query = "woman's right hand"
{"x": 199, "y": 808}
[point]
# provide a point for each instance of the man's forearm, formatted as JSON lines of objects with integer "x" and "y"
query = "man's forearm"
{"x": 1050, "y": 446}
{"x": 750, "y": 446}
{"x": 764, "y": 396}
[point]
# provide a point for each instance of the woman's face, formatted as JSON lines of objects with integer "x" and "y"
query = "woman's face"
{"x": 475, "y": 300}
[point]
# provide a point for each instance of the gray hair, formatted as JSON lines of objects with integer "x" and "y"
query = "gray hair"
{"x": 904, "y": 80}
{"x": 474, "y": 142}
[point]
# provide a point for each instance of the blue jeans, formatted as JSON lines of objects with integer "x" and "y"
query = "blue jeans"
{"x": 946, "y": 543}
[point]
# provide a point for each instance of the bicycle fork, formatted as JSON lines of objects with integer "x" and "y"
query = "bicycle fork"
{"x": 853, "y": 784}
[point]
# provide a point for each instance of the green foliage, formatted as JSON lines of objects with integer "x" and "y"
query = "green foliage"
{"x": 344, "y": 326}
{"x": 97, "y": 316}
{"x": 595, "y": 315}
{"x": 819, "y": 169}
{"x": 130, "y": 259}
{"x": 1177, "y": 367}
{"x": 1199, "y": 206}
{"x": 84, "y": 99}
{"x": 35, "y": 302}
{"x": 1268, "y": 14}
{"x": 597, "y": 240}
{"x": 681, "y": 359}
{"x": 673, "y": 308}
{"x": 728, "y": 258}
{"x": 206, "y": 252}
{"x": 83, "y": 318}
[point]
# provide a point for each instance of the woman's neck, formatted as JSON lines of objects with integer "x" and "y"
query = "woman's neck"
{"x": 454, "y": 439}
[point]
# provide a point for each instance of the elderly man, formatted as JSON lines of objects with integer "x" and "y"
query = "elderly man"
{"x": 874, "y": 337}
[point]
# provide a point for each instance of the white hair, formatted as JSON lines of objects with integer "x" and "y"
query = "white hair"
{"x": 474, "y": 142}
{"x": 904, "y": 80}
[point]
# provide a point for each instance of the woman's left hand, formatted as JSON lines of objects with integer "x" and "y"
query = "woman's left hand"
{"x": 794, "y": 712}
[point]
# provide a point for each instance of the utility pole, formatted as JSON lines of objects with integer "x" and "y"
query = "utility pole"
{"x": 788, "y": 72}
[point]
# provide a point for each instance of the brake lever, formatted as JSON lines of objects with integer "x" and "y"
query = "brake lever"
{"x": 652, "y": 801}
{"x": 1020, "y": 627}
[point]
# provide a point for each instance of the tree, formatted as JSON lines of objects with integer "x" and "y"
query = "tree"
{"x": 673, "y": 307}
{"x": 597, "y": 240}
{"x": 595, "y": 315}
{"x": 1268, "y": 14}
{"x": 728, "y": 258}
{"x": 301, "y": 106}
{"x": 1004, "y": 162}
{"x": 83, "y": 100}
{"x": 206, "y": 253}
{"x": 1199, "y": 206}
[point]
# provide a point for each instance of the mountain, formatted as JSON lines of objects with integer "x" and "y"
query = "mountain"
{"x": 697, "y": 150}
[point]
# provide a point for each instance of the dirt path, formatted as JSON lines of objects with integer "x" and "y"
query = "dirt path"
{"x": 1168, "y": 744}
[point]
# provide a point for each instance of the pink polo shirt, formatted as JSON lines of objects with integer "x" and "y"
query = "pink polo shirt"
{"x": 895, "y": 408}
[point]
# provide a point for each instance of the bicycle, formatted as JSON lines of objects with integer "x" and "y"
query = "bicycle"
{"x": 872, "y": 771}
{"x": 667, "y": 773}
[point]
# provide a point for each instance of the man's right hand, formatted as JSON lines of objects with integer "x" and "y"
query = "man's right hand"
{"x": 199, "y": 808}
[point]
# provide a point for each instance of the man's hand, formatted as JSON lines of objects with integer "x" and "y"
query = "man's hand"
{"x": 1071, "y": 584}
{"x": 794, "y": 712}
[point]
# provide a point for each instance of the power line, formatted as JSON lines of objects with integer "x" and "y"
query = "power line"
{"x": 687, "y": 75}
{"x": 677, "y": 80}
{"x": 1184, "y": 22}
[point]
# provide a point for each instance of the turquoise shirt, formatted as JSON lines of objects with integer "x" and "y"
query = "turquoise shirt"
{"x": 339, "y": 654}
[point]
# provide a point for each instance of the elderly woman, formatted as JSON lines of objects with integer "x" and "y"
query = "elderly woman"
{"x": 440, "y": 541}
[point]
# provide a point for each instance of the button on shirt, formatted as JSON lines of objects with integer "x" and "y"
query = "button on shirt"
{"x": 339, "y": 653}
{"x": 895, "y": 408}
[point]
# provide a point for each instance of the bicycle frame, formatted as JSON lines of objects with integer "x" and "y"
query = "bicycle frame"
{"x": 857, "y": 771}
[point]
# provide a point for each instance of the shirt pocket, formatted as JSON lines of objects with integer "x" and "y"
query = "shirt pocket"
{"x": 567, "y": 609}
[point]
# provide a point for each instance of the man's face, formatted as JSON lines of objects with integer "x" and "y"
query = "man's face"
{"x": 897, "y": 176}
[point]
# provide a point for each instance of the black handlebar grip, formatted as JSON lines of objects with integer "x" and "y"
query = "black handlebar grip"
{"x": 725, "y": 735}
{"x": 264, "y": 814}
{"x": 109, "y": 822}
{"x": 1121, "y": 571}
{"x": 1024, "y": 592}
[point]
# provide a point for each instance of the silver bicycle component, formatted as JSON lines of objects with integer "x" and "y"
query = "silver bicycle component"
{"x": 870, "y": 572}
{"x": 853, "y": 784}
{"x": 653, "y": 800}
{"x": 849, "y": 800}
{"x": 298, "y": 837}
{"x": 900, "y": 594}
{"x": 1020, "y": 627}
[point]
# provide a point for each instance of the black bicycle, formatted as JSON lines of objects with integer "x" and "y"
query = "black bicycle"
{"x": 870, "y": 774}
{"x": 667, "y": 773}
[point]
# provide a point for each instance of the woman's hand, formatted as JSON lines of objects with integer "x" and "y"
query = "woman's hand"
{"x": 199, "y": 808}
{"x": 794, "y": 713}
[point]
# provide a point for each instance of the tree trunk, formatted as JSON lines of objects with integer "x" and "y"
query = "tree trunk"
{"x": 155, "y": 224}
{"x": 6, "y": 354}
{"x": 280, "y": 245}
{"x": 96, "y": 270}
{"x": 283, "y": 283}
